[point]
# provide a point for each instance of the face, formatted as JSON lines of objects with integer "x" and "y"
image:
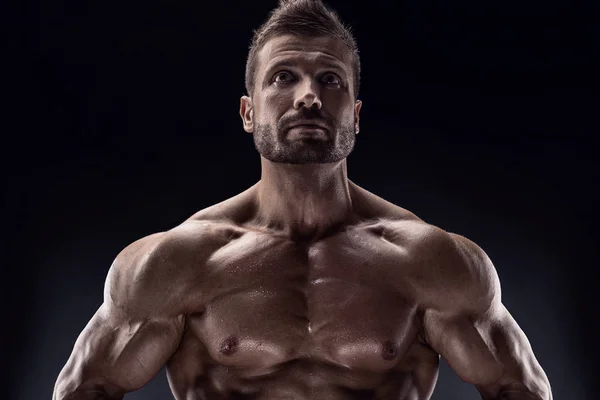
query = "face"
{"x": 303, "y": 110}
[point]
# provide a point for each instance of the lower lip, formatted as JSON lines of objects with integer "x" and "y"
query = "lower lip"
{"x": 311, "y": 131}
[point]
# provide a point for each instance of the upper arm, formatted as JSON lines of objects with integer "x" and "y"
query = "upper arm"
{"x": 132, "y": 334}
{"x": 478, "y": 337}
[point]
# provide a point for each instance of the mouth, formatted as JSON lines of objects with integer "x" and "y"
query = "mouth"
{"x": 309, "y": 125}
{"x": 307, "y": 131}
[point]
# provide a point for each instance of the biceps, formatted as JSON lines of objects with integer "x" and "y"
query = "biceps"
{"x": 468, "y": 349}
{"x": 492, "y": 352}
{"x": 120, "y": 355}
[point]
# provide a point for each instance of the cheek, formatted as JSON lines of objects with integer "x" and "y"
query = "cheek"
{"x": 273, "y": 106}
{"x": 339, "y": 104}
{"x": 344, "y": 114}
{"x": 279, "y": 99}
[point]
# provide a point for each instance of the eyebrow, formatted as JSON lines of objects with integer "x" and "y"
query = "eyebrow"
{"x": 322, "y": 63}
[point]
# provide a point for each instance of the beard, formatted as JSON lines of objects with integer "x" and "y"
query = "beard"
{"x": 274, "y": 145}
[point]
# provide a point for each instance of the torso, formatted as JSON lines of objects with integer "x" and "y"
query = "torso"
{"x": 336, "y": 318}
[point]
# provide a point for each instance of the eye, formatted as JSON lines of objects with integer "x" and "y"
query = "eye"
{"x": 331, "y": 79}
{"x": 283, "y": 77}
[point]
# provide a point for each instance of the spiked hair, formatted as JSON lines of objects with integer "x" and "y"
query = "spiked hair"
{"x": 308, "y": 18}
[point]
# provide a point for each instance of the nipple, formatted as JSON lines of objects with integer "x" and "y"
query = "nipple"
{"x": 389, "y": 350}
{"x": 229, "y": 346}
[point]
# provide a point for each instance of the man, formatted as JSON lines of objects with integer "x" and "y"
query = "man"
{"x": 304, "y": 286}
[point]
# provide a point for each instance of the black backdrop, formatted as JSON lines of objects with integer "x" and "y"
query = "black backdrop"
{"x": 122, "y": 120}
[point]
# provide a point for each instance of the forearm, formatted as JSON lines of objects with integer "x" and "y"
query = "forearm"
{"x": 519, "y": 395}
{"x": 72, "y": 385}
{"x": 85, "y": 395}
{"x": 69, "y": 388}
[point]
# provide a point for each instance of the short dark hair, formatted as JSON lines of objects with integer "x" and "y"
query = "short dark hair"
{"x": 308, "y": 18}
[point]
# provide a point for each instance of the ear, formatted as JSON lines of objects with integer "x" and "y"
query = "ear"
{"x": 247, "y": 113}
{"x": 357, "y": 107}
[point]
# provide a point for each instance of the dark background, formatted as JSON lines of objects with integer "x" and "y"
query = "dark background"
{"x": 122, "y": 120}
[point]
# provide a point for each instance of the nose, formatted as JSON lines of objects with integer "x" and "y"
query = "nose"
{"x": 307, "y": 95}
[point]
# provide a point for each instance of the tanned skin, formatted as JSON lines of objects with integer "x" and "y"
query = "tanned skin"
{"x": 305, "y": 285}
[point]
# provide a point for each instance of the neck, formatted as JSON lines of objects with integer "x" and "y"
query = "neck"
{"x": 303, "y": 200}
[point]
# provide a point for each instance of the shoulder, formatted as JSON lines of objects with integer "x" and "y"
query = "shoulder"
{"x": 235, "y": 210}
{"x": 152, "y": 274}
{"x": 371, "y": 207}
{"x": 483, "y": 285}
{"x": 450, "y": 272}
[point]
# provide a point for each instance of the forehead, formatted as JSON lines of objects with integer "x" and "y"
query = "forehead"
{"x": 311, "y": 49}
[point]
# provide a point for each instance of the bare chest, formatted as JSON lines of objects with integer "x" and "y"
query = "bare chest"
{"x": 340, "y": 301}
